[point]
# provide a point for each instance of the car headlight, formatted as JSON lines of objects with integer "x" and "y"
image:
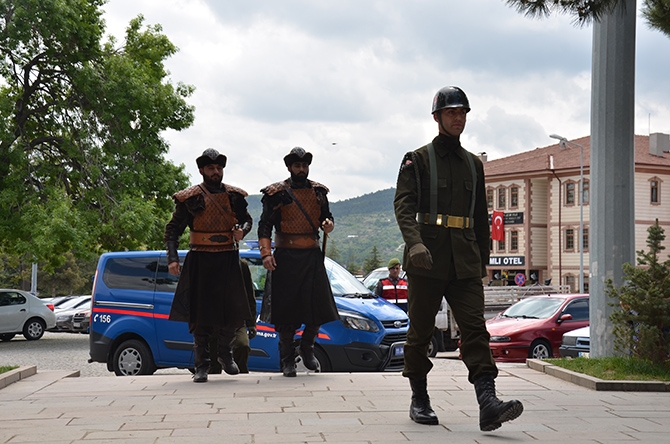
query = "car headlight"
{"x": 357, "y": 322}
{"x": 569, "y": 340}
{"x": 500, "y": 339}
{"x": 62, "y": 318}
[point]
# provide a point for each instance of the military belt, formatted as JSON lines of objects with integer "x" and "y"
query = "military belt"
{"x": 283, "y": 240}
{"x": 446, "y": 220}
{"x": 218, "y": 239}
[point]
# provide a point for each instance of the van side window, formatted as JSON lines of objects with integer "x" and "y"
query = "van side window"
{"x": 258, "y": 275}
{"x": 164, "y": 280}
{"x": 131, "y": 273}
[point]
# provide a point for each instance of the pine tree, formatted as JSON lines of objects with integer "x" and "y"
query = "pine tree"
{"x": 642, "y": 323}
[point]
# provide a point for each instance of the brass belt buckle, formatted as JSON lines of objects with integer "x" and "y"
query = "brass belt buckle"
{"x": 455, "y": 222}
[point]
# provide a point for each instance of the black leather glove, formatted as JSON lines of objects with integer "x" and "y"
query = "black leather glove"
{"x": 420, "y": 256}
{"x": 251, "y": 331}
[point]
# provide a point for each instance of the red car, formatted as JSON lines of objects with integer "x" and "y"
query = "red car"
{"x": 534, "y": 326}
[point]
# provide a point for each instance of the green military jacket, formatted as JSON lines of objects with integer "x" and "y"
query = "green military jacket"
{"x": 467, "y": 248}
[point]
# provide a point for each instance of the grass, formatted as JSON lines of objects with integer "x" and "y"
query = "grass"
{"x": 6, "y": 368}
{"x": 616, "y": 368}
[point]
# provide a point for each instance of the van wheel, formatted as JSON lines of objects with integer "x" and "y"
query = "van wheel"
{"x": 34, "y": 329}
{"x": 323, "y": 364}
{"x": 7, "y": 336}
{"x": 432, "y": 347}
{"x": 133, "y": 358}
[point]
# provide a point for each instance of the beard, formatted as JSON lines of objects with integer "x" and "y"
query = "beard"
{"x": 299, "y": 178}
{"x": 212, "y": 181}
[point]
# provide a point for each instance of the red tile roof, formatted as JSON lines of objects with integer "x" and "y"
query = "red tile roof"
{"x": 537, "y": 160}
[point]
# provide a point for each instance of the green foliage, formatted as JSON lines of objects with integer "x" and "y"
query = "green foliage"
{"x": 642, "y": 318}
{"x": 656, "y": 12}
{"x": 617, "y": 368}
{"x": 372, "y": 262}
{"x": 7, "y": 368}
{"x": 82, "y": 160}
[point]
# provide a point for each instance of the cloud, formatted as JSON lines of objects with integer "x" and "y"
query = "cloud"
{"x": 353, "y": 81}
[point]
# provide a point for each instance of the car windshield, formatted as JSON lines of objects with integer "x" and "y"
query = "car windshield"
{"x": 71, "y": 303}
{"x": 344, "y": 283}
{"x": 534, "y": 308}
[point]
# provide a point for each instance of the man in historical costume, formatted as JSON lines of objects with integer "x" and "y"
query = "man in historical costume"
{"x": 211, "y": 294}
{"x": 440, "y": 206}
{"x": 297, "y": 288}
{"x": 393, "y": 288}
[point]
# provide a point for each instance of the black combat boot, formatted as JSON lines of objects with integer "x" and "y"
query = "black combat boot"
{"x": 201, "y": 361}
{"x": 307, "y": 347}
{"x": 227, "y": 362}
{"x": 492, "y": 411}
{"x": 420, "y": 410}
{"x": 287, "y": 354}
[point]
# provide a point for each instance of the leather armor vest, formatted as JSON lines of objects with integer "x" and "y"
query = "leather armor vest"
{"x": 293, "y": 220}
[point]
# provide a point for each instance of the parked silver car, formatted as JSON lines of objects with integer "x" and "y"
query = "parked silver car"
{"x": 22, "y": 312}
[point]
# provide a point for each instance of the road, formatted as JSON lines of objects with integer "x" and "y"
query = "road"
{"x": 69, "y": 351}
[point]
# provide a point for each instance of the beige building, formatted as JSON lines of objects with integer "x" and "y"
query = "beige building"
{"x": 538, "y": 192}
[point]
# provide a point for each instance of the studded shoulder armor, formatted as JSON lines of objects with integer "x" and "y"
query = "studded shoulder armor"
{"x": 319, "y": 185}
{"x": 274, "y": 188}
{"x": 232, "y": 189}
{"x": 187, "y": 193}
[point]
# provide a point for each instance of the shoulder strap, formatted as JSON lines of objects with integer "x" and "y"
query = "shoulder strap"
{"x": 432, "y": 215}
{"x": 474, "y": 183}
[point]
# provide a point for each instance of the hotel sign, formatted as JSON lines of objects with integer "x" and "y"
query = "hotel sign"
{"x": 507, "y": 261}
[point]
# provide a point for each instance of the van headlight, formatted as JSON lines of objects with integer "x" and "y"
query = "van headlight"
{"x": 357, "y": 322}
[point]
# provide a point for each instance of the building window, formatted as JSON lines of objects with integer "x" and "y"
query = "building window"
{"x": 570, "y": 280}
{"x": 585, "y": 239}
{"x": 501, "y": 245}
{"x": 655, "y": 188}
{"x": 489, "y": 198}
{"x": 514, "y": 241}
{"x": 514, "y": 197}
{"x": 570, "y": 193}
{"x": 569, "y": 239}
{"x": 586, "y": 196}
{"x": 586, "y": 283}
{"x": 502, "y": 198}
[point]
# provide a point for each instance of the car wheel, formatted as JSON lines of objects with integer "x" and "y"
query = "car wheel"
{"x": 133, "y": 358}
{"x": 7, "y": 336}
{"x": 34, "y": 329}
{"x": 540, "y": 349}
{"x": 432, "y": 347}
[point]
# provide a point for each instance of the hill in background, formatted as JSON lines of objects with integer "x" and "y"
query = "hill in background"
{"x": 361, "y": 223}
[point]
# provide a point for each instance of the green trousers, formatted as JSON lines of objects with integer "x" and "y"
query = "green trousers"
{"x": 466, "y": 300}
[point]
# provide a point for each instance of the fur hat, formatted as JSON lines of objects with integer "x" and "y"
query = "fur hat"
{"x": 209, "y": 156}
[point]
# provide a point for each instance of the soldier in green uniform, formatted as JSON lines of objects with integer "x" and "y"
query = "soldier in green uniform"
{"x": 440, "y": 206}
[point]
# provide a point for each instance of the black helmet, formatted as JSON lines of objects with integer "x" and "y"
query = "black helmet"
{"x": 450, "y": 97}
{"x": 209, "y": 156}
{"x": 298, "y": 154}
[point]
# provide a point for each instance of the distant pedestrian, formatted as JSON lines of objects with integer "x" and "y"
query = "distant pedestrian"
{"x": 297, "y": 288}
{"x": 440, "y": 206}
{"x": 393, "y": 288}
{"x": 210, "y": 295}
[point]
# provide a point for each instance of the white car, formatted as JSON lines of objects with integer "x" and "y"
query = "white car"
{"x": 22, "y": 312}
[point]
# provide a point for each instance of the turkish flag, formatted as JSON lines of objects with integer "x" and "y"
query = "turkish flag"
{"x": 498, "y": 226}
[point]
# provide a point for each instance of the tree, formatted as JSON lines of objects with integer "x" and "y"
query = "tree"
{"x": 66, "y": 280}
{"x": 372, "y": 262}
{"x": 82, "y": 164}
{"x": 332, "y": 251}
{"x": 657, "y": 12}
{"x": 642, "y": 318}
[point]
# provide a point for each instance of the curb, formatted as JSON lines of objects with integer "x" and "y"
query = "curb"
{"x": 17, "y": 374}
{"x": 597, "y": 384}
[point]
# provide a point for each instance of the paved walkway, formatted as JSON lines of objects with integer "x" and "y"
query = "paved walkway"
{"x": 318, "y": 408}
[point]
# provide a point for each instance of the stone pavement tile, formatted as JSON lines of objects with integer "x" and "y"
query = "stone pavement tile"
{"x": 123, "y": 435}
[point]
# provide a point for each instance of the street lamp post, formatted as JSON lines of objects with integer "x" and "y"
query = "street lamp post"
{"x": 562, "y": 144}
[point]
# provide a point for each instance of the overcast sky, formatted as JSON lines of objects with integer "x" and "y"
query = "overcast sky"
{"x": 353, "y": 81}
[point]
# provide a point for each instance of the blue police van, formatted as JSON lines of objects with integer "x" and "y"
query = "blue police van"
{"x": 131, "y": 333}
